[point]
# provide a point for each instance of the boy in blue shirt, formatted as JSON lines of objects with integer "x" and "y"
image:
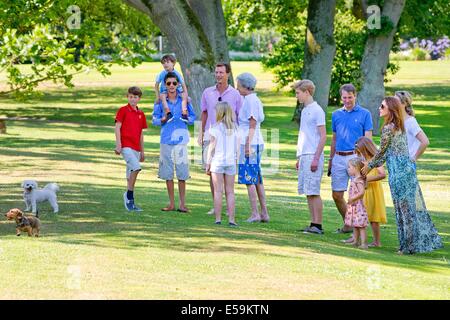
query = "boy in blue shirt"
{"x": 168, "y": 61}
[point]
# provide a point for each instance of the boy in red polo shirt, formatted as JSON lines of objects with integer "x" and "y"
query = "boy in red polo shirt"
{"x": 130, "y": 142}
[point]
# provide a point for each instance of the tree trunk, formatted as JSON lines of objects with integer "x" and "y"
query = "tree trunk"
{"x": 196, "y": 29}
{"x": 320, "y": 49}
{"x": 375, "y": 61}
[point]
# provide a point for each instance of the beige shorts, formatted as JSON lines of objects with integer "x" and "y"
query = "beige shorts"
{"x": 308, "y": 181}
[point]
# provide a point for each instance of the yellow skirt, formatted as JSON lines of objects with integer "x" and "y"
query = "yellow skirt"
{"x": 374, "y": 200}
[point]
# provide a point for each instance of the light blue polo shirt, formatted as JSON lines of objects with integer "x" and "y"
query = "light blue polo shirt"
{"x": 350, "y": 126}
{"x": 176, "y": 131}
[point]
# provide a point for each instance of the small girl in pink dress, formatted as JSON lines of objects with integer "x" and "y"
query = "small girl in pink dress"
{"x": 356, "y": 215}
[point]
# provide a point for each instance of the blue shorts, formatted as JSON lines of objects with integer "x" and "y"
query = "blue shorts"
{"x": 250, "y": 167}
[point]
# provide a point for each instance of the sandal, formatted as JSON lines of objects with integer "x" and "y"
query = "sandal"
{"x": 341, "y": 230}
{"x": 185, "y": 210}
{"x": 167, "y": 209}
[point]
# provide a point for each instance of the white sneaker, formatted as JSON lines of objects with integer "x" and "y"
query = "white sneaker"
{"x": 210, "y": 211}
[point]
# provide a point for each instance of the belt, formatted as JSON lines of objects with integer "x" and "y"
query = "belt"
{"x": 345, "y": 153}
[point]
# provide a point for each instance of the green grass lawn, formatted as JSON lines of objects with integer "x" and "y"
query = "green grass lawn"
{"x": 93, "y": 249}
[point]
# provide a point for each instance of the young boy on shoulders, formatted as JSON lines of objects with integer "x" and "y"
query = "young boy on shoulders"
{"x": 168, "y": 61}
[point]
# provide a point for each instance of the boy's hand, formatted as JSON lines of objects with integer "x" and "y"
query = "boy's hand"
{"x": 314, "y": 165}
{"x": 208, "y": 168}
{"x": 296, "y": 165}
{"x": 142, "y": 157}
{"x": 118, "y": 150}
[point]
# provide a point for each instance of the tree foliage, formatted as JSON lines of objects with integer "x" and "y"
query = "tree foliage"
{"x": 59, "y": 39}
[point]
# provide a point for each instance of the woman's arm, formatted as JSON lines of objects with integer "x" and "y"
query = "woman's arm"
{"x": 380, "y": 157}
{"x": 424, "y": 142}
{"x": 251, "y": 133}
{"x": 380, "y": 176}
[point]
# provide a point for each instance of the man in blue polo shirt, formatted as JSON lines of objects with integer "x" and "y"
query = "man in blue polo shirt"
{"x": 173, "y": 142}
{"x": 349, "y": 123}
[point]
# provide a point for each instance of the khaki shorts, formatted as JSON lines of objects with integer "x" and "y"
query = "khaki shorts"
{"x": 308, "y": 181}
{"x": 173, "y": 158}
{"x": 132, "y": 158}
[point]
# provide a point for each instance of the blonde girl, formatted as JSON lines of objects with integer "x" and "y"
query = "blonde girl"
{"x": 374, "y": 196}
{"x": 417, "y": 139}
{"x": 356, "y": 215}
{"x": 221, "y": 161}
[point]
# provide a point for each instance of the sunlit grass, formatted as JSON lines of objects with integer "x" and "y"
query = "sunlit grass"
{"x": 93, "y": 249}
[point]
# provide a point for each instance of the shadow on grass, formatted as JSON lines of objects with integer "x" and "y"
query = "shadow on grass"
{"x": 95, "y": 216}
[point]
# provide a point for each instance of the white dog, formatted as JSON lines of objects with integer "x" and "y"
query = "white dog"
{"x": 32, "y": 196}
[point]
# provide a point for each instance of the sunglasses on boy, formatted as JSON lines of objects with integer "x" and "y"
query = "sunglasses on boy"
{"x": 168, "y": 83}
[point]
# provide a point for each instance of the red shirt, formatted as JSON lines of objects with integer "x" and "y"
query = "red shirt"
{"x": 133, "y": 121}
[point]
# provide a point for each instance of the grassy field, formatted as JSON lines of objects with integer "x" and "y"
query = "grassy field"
{"x": 93, "y": 249}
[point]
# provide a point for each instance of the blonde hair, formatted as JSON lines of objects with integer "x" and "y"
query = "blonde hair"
{"x": 224, "y": 114}
{"x": 406, "y": 99}
{"x": 358, "y": 164}
{"x": 366, "y": 147}
{"x": 305, "y": 85}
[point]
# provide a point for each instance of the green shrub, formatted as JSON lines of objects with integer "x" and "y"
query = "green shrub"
{"x": 419, "y": 54}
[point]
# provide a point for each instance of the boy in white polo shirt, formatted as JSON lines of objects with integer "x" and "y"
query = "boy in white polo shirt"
{"x": 311, "y": 141}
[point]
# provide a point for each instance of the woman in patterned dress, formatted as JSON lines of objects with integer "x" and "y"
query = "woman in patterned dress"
{"x": 416, "y": 231}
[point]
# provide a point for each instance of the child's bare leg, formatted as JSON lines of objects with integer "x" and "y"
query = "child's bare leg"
{"x": 217, "y": 179}
{"x": 163, "y": 97}
{"x": 184, "y": 103}
{"x": 376, "y": 234}
{"x": 350, "y": 240}
{"x": 356, "y": 235}
{"x": 229, "y": 190}
{"x": 363, "y": 236}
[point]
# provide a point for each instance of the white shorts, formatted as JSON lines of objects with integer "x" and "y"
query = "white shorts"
{"x": 339, "y": 173}
{"x": 308, "y": 181}
{"x": 228, "y": 170}
{"x": 132, "y": 158}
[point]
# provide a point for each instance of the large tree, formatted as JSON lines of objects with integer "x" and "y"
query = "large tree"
{"x": 46, "y": 40}
{"x": 320, "y": 47}
{"x": 197, "y": 31}
{"x": 376, "y": 54}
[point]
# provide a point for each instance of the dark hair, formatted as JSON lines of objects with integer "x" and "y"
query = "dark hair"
{"x": 169, "y": 57}
{"x": 348, "y": 87}
{"x": 224, "y": 64}
{"x": 171, "y": 75}
{"x": 135, "y": 91}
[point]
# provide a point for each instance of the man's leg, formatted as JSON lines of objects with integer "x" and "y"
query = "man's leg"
{"x": 341, "y": 205}
{"x": 339, "y": 183}
{"x": 171, "y": 193}
{"x": 182, "y": 192}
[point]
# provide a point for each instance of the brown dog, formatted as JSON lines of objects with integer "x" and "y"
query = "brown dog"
{"x": 30, "y": 224}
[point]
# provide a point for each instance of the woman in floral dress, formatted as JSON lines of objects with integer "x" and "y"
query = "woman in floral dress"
{"x": 416, "y": 231}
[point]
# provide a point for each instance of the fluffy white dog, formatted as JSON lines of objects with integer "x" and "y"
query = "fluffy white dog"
{"x": 32, "y": 196}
